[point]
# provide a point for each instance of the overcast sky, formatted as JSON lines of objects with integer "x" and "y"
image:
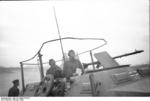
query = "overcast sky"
{"x": 25, "y": 25}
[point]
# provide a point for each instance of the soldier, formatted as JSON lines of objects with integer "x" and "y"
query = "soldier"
{"x": 70, "y": 66}
{"x": 58, "y": 88}
{"x": 54, "y": 69}
{"x": 14, "y": 91}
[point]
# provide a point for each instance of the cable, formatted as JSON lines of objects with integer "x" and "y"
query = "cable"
{"x": 105, "y": 42}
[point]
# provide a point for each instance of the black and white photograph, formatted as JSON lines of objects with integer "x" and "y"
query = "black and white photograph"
{"x": 74, "y": 48}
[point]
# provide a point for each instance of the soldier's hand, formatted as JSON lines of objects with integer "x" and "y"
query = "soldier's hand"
{"x": 82, "y": 73}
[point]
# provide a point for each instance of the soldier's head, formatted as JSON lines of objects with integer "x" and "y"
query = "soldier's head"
{"x": 71, "y": 53}
{"x": 15, "y": 82}
{"x": 52, "y": 62}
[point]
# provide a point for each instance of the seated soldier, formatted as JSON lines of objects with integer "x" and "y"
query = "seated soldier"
{"x": 70, "y": 66}
{"x": 54, "y": 69}
{"x": 59, "y": 86}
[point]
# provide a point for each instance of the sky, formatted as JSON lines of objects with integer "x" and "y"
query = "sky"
{"x": 25, "y": 25}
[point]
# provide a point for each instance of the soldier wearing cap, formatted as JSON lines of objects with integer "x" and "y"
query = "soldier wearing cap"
{"x": 71, "y": 65}
{"x": 14, "y": 91}
{"x": 54, "y": 69}
{"x": 59, "y": 85}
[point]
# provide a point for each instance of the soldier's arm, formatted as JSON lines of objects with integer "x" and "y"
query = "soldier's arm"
{"x": 47, "y": 71}
{"x": 80, "y": 66}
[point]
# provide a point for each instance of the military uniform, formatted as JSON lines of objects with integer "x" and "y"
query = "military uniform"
{"x": 14, "y": 91}
{"x": 70, "y": 67}
{"x": 55, "y": 70}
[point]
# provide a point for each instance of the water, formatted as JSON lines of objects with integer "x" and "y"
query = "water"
{"x": 9, "y": 74}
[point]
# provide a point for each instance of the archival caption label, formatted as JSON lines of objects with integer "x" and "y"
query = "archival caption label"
{"x": 14, "y": 98}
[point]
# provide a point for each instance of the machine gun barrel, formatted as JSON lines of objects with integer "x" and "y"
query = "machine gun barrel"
{"x": 85, "y": 65}
{"x": 128, "y": 54}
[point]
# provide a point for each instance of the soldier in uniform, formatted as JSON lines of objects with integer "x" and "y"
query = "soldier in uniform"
{"x": 58, "y": 88}
{"x": 54, "y": 69}
{"x": 71, "y": 65}
{"x": 14, "y": 91}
